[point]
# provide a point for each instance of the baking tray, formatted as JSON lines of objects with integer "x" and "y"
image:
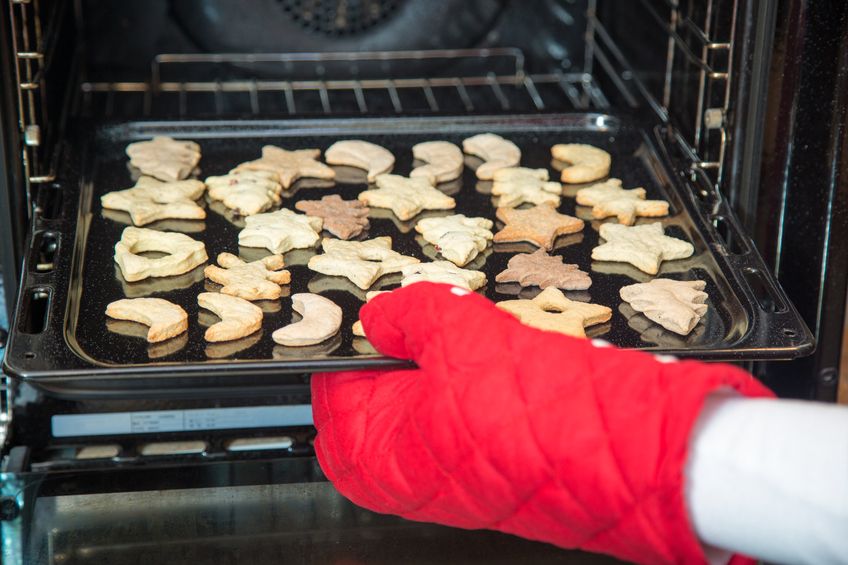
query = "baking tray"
{"x": 76, "y": 349}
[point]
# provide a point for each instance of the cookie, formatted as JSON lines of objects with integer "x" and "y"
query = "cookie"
{"x": 587, "y": 163}
{"x": 542, "y": 270}
{"x": 165, "y": 319}
{"x": 609, "y": 199}
{"x": 519, "y": 185}
{"x": 540, "y": 225}
{"x": 443, "y": 161}
{"x": 239, "y": 318}
{"x": 363, "y": 262}
{"x": 258, "y": 280}
{"x": 406, "y": 197}
{"x": 645, "y": 247}
{"x": 151, "y": 200}
{"x": 280, "y": 231}
{"x": 677, "y": 306}
{"x": 321, "y": 320}
{"x": 458, "y": 238}
{"x": 443, "y": 272}
{"x": 183, "y": 253}
{"x": 164, "y": 158}
{"x": 246, "y": 192}
{"x": 551, "y": 311}
{"x": 357, "y": 328}
{"x": 497, "y": 152}
{"x": 362, "y": 155}
{"x": 342, "y": 218}
{"x": 289, "y": 165}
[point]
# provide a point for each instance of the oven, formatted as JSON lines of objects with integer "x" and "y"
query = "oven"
{"x": 737, "y": 108}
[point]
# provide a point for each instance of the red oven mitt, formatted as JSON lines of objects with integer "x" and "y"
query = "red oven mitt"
{"x": 514, "y": 429}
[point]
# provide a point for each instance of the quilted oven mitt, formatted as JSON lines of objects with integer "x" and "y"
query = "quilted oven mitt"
{"x": 509, "y": 428}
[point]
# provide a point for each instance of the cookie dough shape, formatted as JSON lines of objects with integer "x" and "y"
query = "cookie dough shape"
{"x": 543, "y": 270}
{"x": 540, "y": 225}
{"x": 239, "y": 318}
{"x": 166, "y": 319}
{"x": 342, "y": 218}
{"x": 406, "y": 197}
{"x": 374, "y": 159}
{"x": 289, "y": 165}
{"x": 246, "y": 192}
{"x": 443, "y": 272}
{"x": 458, "y": 238}
{"x": 363, "y": 262}
{"x": 443, "y": 160}
{"x": 551, "y": 311}
{"x": 677, "y": 306}
{"x": 645, "y": 247}
{"x": 519, "y": 185}
{"x": 587, "y": 163}
{"x": 151, "y": 200}
{"x": 258, "y": 280}
{"x": 321, "y": 320}
{"x": 280, "y": 231}
{"x": 497, "y": 152}
{"x": 609, "y": 199}
{"x": 164, "y": 158}
{"x": 183, "y": 253}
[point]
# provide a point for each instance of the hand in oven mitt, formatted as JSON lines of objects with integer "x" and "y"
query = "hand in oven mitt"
{"x": 509, "y": 428}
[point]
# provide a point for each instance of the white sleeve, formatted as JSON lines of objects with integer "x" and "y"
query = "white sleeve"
{"x": 769, "y": 479}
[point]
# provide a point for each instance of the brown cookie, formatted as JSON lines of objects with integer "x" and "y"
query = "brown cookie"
{"x": 540, "y": 225}
{"x": 342, "y": 218}
{"x": 542, "y": 270}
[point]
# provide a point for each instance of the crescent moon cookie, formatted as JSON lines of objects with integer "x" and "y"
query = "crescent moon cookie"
{"x": 677, "y": 306}
{"x": 406, "y": 197}
{"x": 458, "y": 238}
{"x": 166, "y": 319}
{"x": 151, "y": 200}
{"x": 289, "y": 166}
{"x": 497, "y": 152}
{"x": 363, "y": 262}
{"x": 540, "y": 225}
{"x": 443, "y": 161}
{"x": 609, "y": 199}
{"x": 239, "y": 318}
{"x": 257, "y": 280}
{"x": 645, "y": 247}
{"x": 519, "y": 185}
{"x": 246, "y": 192}
{"x": 342, "y": 218}
{"x": 164, "y": 158}
{"x": 321, "y": 320}
{"x": 280, "y": 231}
{"x": 551, "y": 311}
{"x": 183, "y": 253}
{"x": 587, "y": 163}
{"x": 374, "y": 159}
{"x": 542, "y": 270}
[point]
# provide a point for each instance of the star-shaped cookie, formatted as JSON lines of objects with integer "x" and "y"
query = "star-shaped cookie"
{"x": 151, "y": 200}
{"x": 645, "y": 247}
{"x": 609, "y": 199}
{"x": 542, "y": 270}
{"x": 551, "y": 311}
{"x": 443, "y": 272}
{"x": 342, "y": 218}
{"x": 520, "y": 185}
{"x": 363, "y": 262}
{"x": 289, "y": 165}
{"x": 540, "y": 225}
{"x": 280, "y": 231}
{"x": 406, "y": 197}
{"x": 458, "y": 238}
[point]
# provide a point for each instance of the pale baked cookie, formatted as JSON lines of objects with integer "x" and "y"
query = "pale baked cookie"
{"x": 258, "y": 280}
{"x": 239, "y": 318}
{"x": 151, "y": 200}
{"x": 363, "y": 262}
{"x": 164, "y": 158}
{"x": 406, "y": 197}
{"x": 246, "y": 192}
{"x": 183, "y": 253}
{"x": 321, "y": 320}
{"x": 342, "y": 218}
{"x": 280, "y": 231}
{"x": 289, "y": 165}
{"x": 362, "y": 155}
{"x": 497, "y": 152}
{"x": 645, "y": 247}
{"x": 519, "y": 185}
{"x": 443, "y": 272}
{"x": 609, "y": 199}
{"x": 540, "y": 225}
{"x": 165, "y": 319}
{"x": 443, "y": 161}
{"x": 458, "y": 238}
{"x": 588, "y": 163}
{"x": 677, "y": 306}
{"x": 542, "y": 270}
{"x": 551, "y": 311}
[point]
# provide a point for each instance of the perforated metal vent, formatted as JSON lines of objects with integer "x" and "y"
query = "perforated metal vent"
{"x": 339, "y": 17}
